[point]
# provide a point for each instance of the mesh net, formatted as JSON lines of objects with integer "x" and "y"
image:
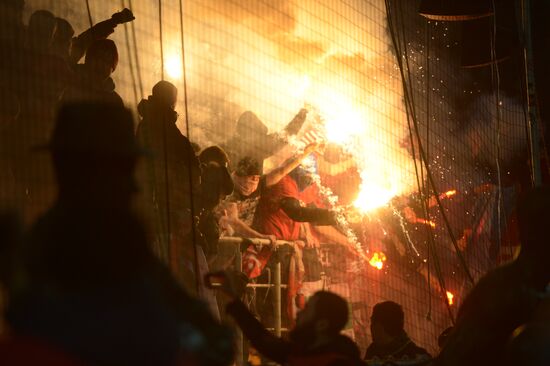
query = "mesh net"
{"x": 416, "y": 146}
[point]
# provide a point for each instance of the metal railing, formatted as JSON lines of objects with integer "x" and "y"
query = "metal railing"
{"x": 276, "y": 285}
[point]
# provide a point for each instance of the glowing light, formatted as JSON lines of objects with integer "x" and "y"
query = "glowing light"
{"x": 450, "y": 297}
{"x": 425, "y": 222}
{"x": 344, "y": 126}
{"x": 450, "y": 193}
{"x": 377, "y": 260}
{"x": 173, "y": 66}
{"x": 371, "y": 197}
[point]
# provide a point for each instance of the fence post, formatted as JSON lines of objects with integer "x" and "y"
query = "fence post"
{"x": 277, "y": 293}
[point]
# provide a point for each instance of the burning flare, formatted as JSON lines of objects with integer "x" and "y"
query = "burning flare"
{"x": 450, "y": 193}
{"x": 450, "y": 297}
{"x": 377, "y": 260}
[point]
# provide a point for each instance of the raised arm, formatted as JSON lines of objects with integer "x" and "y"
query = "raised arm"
{"x": 316, "y": 216}
{"x": 274, "y": 176}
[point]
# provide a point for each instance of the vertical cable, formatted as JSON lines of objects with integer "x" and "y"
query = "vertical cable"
{"x": 187, "y": 129}
{"x": 161, "y": 42}
{"x": 136, "y": 54}
{"x": 89, "y": 13}
{"x": 130, "y": 62}
{"x": 165, "y": 143}
{"x": 426, "y": 188}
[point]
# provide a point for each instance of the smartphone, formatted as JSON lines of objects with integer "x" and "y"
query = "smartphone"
{"x": 214, "y": 280}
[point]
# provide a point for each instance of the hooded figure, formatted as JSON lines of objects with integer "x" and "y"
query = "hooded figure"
{"x": 171, "y": 176}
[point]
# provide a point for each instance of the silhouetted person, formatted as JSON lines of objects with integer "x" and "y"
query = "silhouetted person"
{"x": 316, "y": 338}
{"x": 216, "y": 184}
{"x": 251, "y": 138}
{"x": 506, "y": 297}
{"x": 41, "y": 30}
{"x": 72, "y": 49}
{"x": 214, "y": 154}
{"x": 389, "y": 339}
{"x": 98, "y": 31}
{"x": 92, "y": 81}
{"x": 529, "y": 346}
{"x": 88, "y": 281}
{"x": 62, "y": 39}
{"x": 12, "y": 29}
{"x": 172, "y": 175}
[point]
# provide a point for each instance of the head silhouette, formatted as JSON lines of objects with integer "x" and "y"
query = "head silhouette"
{"x": 325, "y": 313}
{"x": 62, "y": 38}
{"x": 387, "y": 322}
{"x": 102, "y": 58}
{"x": 94, "y": 153}
{"x": 214, "y": 154}
{"x": 533, "y": 218}
{"x": 165, "y": 94}
{"x": 41, "y": 29}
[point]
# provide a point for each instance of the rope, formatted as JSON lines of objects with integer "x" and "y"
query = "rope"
{"x": 495, "y": 81}
{"x": 136, "y": 53}
{"x": 161, "y": 42}
{"x": 410, "y": 108}
{"x": 423, "y": 154}
{"x": 165, "y": 143}
{"x": 129, "y": 52}
{"x": 426, "y": 188}
{"x": 89, "y": 13}
{"x": 185, "y": 104}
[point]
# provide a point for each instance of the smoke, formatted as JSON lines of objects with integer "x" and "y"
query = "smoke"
{"x": 273, "y": 57}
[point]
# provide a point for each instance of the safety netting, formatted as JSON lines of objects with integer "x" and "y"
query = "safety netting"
{"x": 418, "y": 152}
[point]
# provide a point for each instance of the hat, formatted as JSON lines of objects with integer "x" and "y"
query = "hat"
{"x": 101, "y": 129}
{"x": 248, "y": 166}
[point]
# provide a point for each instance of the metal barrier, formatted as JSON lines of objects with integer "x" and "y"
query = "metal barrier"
{"x": 277, "y": 285}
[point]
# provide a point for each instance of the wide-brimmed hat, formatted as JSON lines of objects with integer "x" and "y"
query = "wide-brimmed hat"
{"x": 99, "y": 129}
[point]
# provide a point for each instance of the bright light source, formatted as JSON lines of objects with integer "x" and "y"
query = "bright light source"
{"x": 372, "y": 196}
{"x": 450, "y": 297}
{"x": 173, "y": 66}
{"x": 377, "y": 260}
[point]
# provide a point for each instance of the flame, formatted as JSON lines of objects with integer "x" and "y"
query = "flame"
{"x": 372, "y": 196}
{"x": 450, "y": 297}
{"x": 450, "y": 193}
{"x": 377, "y": 260}
{"x": 426, "y": 222}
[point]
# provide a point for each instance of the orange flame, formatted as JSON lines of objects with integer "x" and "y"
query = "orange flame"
{"x": 425, "y": 222}
{"x": 450, "y": 193}
{"x": 377, "y": 260}
{"x": 450, "y": 297}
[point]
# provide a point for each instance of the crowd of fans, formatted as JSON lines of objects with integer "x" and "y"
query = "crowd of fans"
{"x": 92, "y": 282}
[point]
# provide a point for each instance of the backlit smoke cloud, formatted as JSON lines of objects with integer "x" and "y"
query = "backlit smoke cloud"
{"x": 273, "y": 57}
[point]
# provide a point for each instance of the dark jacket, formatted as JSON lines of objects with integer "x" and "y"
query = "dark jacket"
{"x": 170, "y": 175}
{"x": 341, "y": 351}
{"x": 501, "y": 301}
{"x": 89, "y": 284}
{"x": 402, "y": 347}
{"x": 84, "y": 87}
